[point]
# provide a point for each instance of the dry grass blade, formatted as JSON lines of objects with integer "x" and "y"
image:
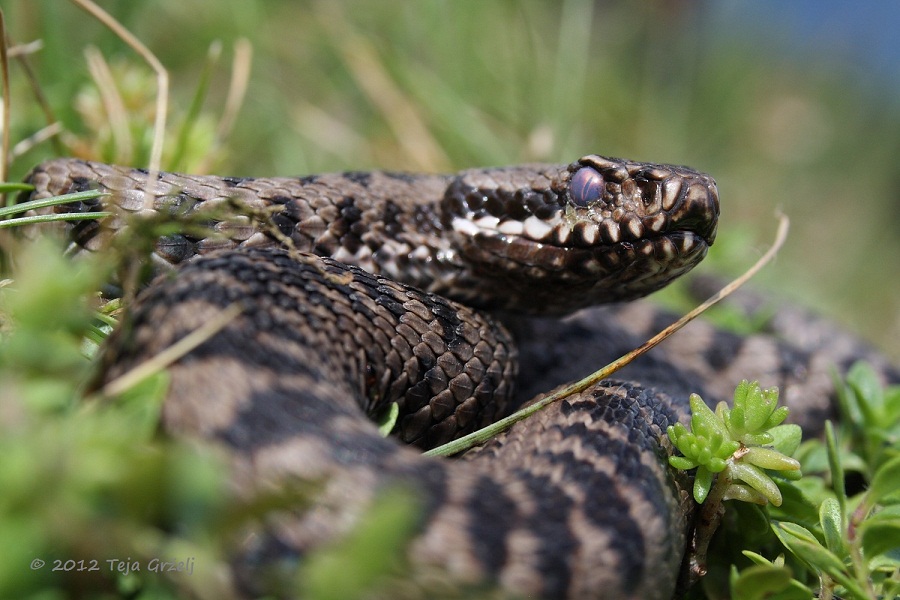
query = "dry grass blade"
{"x": 237, "y": 88}
{"x": 726, "y": 291}
{"x": 329, "y": 133}
{"x": 482, "y": 435}
{"x": 4, "y": 72}
{"x": 402, "y": 116}
{"x": 20, "y": 50}
{"x": 38, "y": 137}
{"x": 54, "y": 127}
{"x": 112, "y": 102}
{"x": 162, "y": 80}
{"x": 172, "y": 353}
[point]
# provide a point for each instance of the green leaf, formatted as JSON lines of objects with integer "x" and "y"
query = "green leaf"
{"x": 675, "y": 431}
{"x": 758, "y": 408}
{"x": 892, "y": 406}
{"x": 807, "y": 548}
{"x": 716, "y": 465}
{"x": 702, "y": 484}
{"x": 835, "y": 466}
{"x": 757, "y": 439}
{"x": 767, "y": 458}
{"x": 880, "y": 536}
{"x": 867, "y": 389}
{"x": 759, "y": 582}
{"x": 192, "y": 117}
{"x": 891, "y": 589}
{"x": 800, "y": 500}
{"x": 794, "y": 531}
{"x": 885, "y": 482}
{"x": 831, "y": 521}
{"x": 704, "y": 421}
{"x": 758, "y": 559}
{"x": 789, "y": 475}
{"x": 777, "y": 417}
{"x": 744, "y": 493}
{"x": 754, "y": 412}
{"x": 389, "y": 419}
{"x": 680, "y": 436}
{"x": 758, "y": 480}
{"x": 754, "y": 522}
{"x": 786, "y": 438}
{"x": 682, "y": 463}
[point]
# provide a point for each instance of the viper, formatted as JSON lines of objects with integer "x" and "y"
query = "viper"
{"x": 456, "y": 298}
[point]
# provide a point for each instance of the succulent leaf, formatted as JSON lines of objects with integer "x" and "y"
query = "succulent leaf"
{"x": 702, "y": 484}
{"x": 758, "y": 480}
{"x": 744, "y": 493}
{"x": 767, "y": 458}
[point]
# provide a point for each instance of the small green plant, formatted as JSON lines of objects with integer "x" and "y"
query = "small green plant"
{"x": 740, "y": 445}
{"x": 94, "y": 497}
{"x": 735, "y": 451}
{"x": 852, "y": 547}
{"x": 827, "y": 539}
{"x": 89, "y": 488}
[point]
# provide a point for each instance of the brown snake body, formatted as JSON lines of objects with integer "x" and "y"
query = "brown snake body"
{"x": 577, "y": 501}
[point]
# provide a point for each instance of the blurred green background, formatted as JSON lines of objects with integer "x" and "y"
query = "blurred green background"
{"x": 443, "y": 85}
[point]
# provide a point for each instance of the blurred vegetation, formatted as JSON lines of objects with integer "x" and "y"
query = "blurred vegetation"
{"x": 449, "y": 84}
{"x": 432, "y": 85}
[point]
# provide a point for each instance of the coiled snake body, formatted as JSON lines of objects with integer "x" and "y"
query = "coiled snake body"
{"x": 577, "y": 501}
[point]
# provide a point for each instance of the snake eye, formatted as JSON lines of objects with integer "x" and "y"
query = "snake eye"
{"x": 586, "y": 186}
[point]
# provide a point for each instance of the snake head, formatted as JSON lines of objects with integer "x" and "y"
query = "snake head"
{"x": 560, "y": 238}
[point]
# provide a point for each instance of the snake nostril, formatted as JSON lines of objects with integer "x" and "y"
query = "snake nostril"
{"x": 649, "y": 192}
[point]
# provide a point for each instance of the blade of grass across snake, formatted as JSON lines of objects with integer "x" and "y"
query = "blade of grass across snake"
{"x": 172, "y": 353}
{"x": 13, "y": 186}
{"x": 484, "y": 434}
{"x": 52, "y": 218}
{"x": 45, "y": 202}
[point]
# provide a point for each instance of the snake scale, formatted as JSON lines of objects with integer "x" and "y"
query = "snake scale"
{"x": 362, "y": 289}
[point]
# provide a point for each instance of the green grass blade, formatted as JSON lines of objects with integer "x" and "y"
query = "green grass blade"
{"x": 52, "y": 201}
{"x": 51, "y": 218}
{"x": 10, "y": 187}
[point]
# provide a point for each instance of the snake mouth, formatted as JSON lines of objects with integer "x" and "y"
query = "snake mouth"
{"x": 546, "y": 279}
{"x": 598, "y": 230}
{"x": 595, "y": 202}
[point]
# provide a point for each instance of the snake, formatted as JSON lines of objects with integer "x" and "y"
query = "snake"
{"x": 455, "y": 298}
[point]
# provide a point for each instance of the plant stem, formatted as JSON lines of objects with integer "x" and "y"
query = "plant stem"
{"x": 854, "y": 542}
{"x": 708, "y": 519}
